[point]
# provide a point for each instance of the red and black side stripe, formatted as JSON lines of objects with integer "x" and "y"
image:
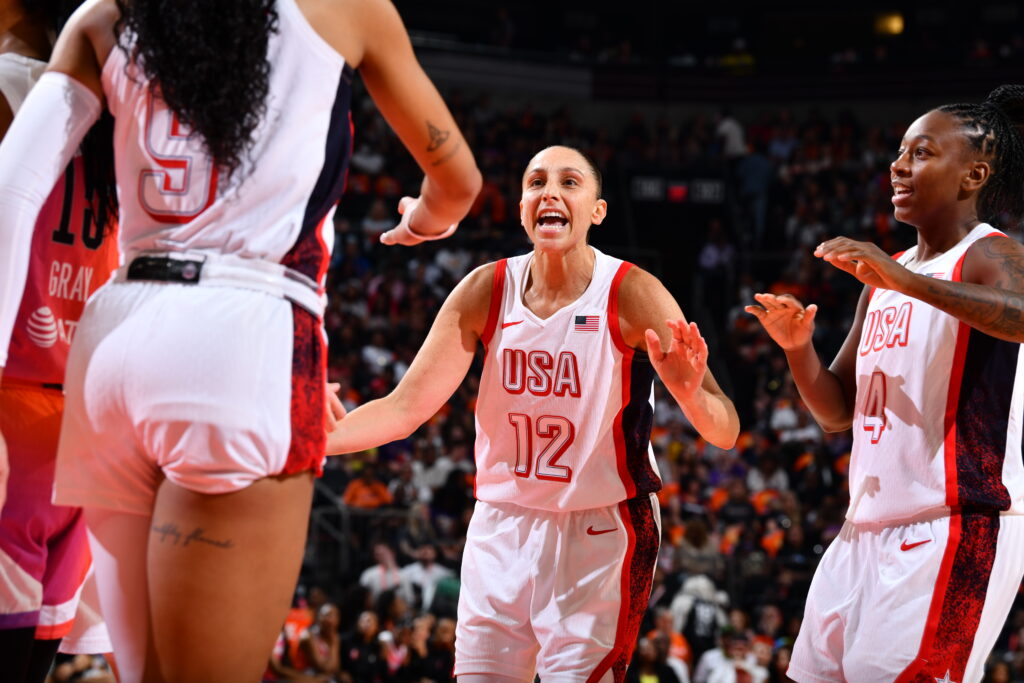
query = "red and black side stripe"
{"x": 309, "y": 254}
{"x": 310, "y": 257}
{"x": 639, "y": 517}
{"x": 983, "y": 420}
{"x": 632, "y": 427}
{"x": 309, "y": 402}
{"x": 977, "y": 417}
{"x": 958, "y": 600}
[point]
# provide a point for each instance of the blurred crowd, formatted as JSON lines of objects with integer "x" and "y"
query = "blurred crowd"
{"x": 743, "y": 529}
{"x": 713, "y": 39}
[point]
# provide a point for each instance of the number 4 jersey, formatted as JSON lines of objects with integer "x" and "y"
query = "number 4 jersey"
{"x": 565, "y": 408}
{"x": 71, "y": 257}
{"x": 939, "y": 406}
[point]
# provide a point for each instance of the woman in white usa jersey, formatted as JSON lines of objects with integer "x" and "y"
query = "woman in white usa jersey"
{"x": 195, "y": 417}
{"x": 560, "y": 552}
{"x": 931, "y": 381}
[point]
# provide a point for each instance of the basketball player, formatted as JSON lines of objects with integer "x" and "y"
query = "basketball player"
{"x": 195, "y": 387}
{"x": 561, "y": 549}
{"x": 920, "y": 581}
{"x": 44, "y": 551}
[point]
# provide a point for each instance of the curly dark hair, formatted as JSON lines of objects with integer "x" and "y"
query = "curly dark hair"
{"x": 208, "y": 62}
{"x": 993, "y": 129}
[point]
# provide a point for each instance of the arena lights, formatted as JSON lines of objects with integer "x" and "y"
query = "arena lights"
{"x": 889, "y": 24}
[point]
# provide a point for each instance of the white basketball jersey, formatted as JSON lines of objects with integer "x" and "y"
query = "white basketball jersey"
{"x": 939, "y": 406}
{"x": 173, "y": 198}
{"x": 564, "y": 413}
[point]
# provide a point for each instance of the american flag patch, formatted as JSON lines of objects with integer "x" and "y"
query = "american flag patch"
{"x": 586, "y": 323}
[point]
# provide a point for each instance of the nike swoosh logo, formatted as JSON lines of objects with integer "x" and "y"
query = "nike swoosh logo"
{"x": 593, "y": 532}
{"x": 910, "y": 546}
{"x": 504, "y": 325}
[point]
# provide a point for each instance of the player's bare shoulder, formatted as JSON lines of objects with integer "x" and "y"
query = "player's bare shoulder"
{"x": 343, "y": 24}
{"x": 356, "y": 29}
{"x": 473, "y": 293}
{"x": 469, "y": 303}
{"x": 644, "y": 302}
{"x": 995, "y": 260}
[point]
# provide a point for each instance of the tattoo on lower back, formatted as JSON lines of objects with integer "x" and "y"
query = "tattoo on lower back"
{"x": 437, "y": 137}
{"x": 170, "y": 533}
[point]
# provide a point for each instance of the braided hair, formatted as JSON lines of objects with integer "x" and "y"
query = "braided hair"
{"x": 992, "y": 128}
{"x": 208, "y": 62}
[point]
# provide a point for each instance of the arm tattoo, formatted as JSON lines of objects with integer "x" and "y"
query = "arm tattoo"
{"x": 437, "y": 136}
{"x": 1010, "y": 258}
{"x": 447, "y": 156}
{"x": 996, "y": 309}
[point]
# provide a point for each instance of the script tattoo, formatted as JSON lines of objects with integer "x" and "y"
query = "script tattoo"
{"x": 170, "y": 532}
{"x": 997, "y": 308}
{"x": 437, "y": 136}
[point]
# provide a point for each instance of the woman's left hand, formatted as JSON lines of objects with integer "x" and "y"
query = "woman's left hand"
{"x": 685, "y": 363}
{"x": 866, "y": 262}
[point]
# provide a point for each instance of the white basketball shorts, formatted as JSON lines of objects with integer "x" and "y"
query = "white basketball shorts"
{"x": 212, "y": 387}
{"x": 561, "y": 594}
{"x": 923, "y": 601}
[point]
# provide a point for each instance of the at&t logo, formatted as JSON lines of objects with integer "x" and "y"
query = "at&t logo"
{"x": 44, "y": 329}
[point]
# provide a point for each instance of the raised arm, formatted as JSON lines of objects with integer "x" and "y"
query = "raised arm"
{"x": 436, "y": 372}
{"x": 830, "y": 393}
{"x": 990, "y": 298}
{"x": 412, "y": 106}
{"x": 651, "y": 320}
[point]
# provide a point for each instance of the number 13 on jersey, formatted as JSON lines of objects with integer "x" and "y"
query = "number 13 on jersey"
{"x": 559, "y": 433}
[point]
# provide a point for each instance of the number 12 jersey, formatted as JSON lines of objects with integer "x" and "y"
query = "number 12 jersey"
{"x": 565, "y": 407}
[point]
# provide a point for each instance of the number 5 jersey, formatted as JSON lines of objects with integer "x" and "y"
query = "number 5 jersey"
{"x": 277, "y": 206}
{"x": 565, "y": 408}
{"x": 937, "y": 423}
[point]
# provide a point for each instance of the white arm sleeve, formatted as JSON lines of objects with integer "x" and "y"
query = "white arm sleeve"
{"x": 39, "y": 145}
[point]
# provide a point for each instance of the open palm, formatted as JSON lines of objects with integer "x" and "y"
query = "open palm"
{"x": 784, "y": 319}
{"x": 685, "y": 362}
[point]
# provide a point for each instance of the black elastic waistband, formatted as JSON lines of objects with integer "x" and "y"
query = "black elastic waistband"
{"x": 164, "y": 269}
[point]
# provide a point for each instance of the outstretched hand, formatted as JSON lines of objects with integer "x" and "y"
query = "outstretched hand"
{"x": 683, "y": 366}
{"x": 784, "y": 319}
{"x": 865, "y": 261}
{"x": 403, "y": 233}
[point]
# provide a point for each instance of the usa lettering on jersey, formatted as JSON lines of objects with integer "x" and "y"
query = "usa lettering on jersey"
{"x": 539, "y": 373}
{"x": 886, "y": 328}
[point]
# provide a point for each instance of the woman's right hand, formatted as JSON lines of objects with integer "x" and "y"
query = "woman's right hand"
{"x": 404, "y": 234}
{"x": 785, "y": 319}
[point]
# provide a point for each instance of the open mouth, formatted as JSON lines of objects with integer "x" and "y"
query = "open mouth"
{"x": 900, "y": 194}
{"x": 552, "y": 220}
